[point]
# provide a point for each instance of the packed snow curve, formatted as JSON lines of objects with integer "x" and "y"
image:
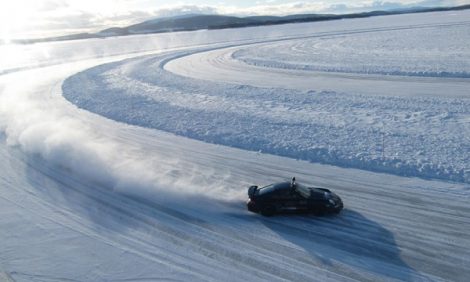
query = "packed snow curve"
{"x": 422, "y": 134}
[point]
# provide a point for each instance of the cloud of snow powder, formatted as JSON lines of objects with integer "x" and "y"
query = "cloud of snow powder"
{"x": 38, "y": 120}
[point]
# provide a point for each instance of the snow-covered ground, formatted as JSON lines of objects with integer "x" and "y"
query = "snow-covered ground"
{"x": 395, "y": 130}
{"x": 89, "y": 198}
{"x": 406, "y": 50}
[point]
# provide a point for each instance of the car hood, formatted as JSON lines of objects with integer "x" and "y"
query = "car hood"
{"x": 316, "y": 193}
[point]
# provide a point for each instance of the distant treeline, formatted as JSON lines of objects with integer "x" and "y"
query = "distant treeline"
{"x": 197, "y": 22}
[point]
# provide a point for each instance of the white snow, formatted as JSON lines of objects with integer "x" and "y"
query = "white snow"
{"x": 87, "y": 198}
{"x": 410, "y": 50}
{"x": 406, "y": 134}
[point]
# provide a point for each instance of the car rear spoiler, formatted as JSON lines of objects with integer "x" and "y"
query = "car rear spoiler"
{"x": 252, "y": 191}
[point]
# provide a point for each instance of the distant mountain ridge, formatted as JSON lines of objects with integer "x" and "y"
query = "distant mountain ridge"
{"x": 197, "y": 22}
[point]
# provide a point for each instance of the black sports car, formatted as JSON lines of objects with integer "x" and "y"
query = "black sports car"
{"x": 292, "y": 197}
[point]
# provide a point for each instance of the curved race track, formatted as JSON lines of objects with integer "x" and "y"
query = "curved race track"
{"x": 86, "y": 198}
{"x": 342, "y": 61}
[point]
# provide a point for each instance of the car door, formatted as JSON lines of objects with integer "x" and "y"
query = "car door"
{"x": 299, "y": 201}
{"x": 279, "y": 198}
{"x": 292, "y": 201}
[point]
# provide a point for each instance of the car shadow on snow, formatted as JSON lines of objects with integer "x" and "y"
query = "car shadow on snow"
{"x": 346, "y": 241}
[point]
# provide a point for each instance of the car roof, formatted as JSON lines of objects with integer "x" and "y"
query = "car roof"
{"x": 282, "y": 185}
{"x": 304, "y": 191}
{"x": 274, "y": 187}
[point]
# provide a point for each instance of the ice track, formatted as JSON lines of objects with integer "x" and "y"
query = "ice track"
{"x": 86, "y": 198}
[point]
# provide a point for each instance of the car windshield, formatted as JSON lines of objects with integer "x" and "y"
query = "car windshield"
{"x": 303, "y": 190}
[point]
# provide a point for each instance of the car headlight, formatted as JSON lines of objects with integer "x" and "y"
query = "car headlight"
{"x": 331, "y": 202}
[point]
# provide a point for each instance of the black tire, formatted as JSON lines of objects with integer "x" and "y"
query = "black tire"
{"x": 251, "y": 207}
{"x": 268, "y": 211}
{"x": 318, "y": 211}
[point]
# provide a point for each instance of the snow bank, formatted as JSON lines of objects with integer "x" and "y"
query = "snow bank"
{"x": 410, "y": 136}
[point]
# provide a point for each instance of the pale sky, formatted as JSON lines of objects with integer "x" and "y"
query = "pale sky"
{"x": 44, "y": 18}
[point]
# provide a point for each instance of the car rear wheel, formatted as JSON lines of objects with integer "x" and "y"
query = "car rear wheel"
{"x": 268, "y": 211}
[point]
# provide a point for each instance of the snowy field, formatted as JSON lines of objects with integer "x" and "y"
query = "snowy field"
{"x": 398, "y": 131}
{"x": 127, "y": 159}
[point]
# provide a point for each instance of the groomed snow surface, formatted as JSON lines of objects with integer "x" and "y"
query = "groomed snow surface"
{"x": 92, "y": 188}
{"x": 402, "y": 132}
